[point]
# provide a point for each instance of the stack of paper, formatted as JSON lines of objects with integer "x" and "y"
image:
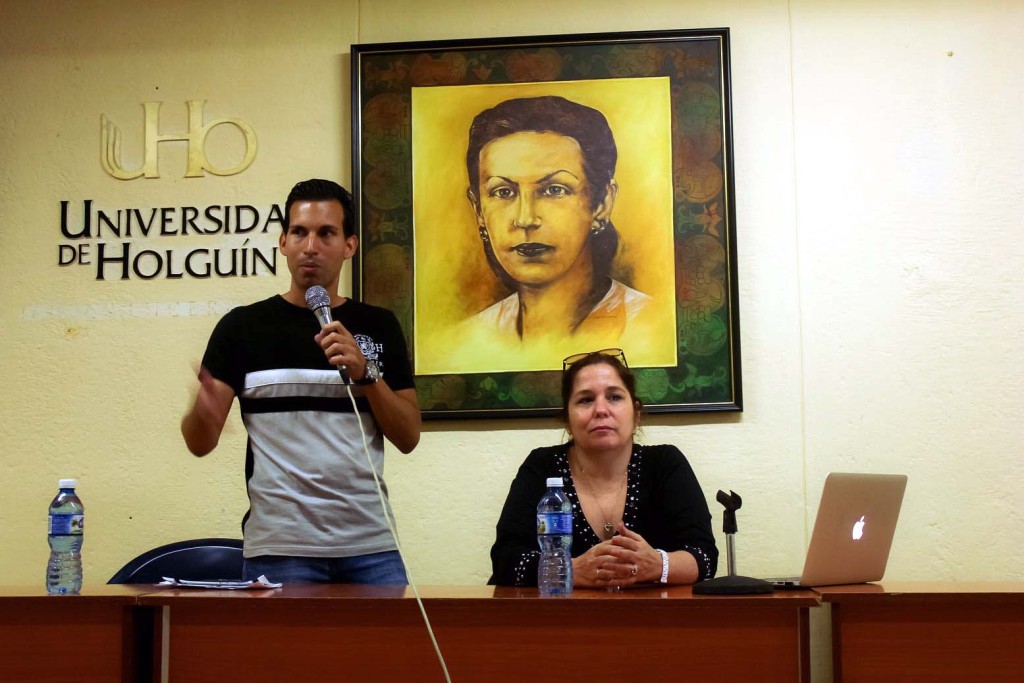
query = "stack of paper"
{"x": 259, "y": 584}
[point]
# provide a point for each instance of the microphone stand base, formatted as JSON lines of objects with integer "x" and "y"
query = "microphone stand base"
{"x": 732, "y": 585}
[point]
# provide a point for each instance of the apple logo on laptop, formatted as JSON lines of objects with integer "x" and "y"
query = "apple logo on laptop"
{"x": 858, "y": 528}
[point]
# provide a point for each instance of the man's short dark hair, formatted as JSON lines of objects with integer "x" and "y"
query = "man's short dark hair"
{"x": 319, "y": 190}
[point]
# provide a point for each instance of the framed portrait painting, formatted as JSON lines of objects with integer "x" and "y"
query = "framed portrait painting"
{"x": 522, "y": 200}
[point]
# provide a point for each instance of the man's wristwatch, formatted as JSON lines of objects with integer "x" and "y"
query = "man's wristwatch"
{"x": 371, "y": 375}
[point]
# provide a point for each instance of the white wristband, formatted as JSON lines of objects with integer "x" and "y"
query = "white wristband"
{"x": 664, "y": 566}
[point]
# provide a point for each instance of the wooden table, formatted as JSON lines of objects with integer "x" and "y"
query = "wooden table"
{"x": 344, "y": 632}
{"x": 87, "y": 637}
{"x": 927, "y": 631}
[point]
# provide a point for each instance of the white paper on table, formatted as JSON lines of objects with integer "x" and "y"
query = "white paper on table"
{"x": 259, "y": 584}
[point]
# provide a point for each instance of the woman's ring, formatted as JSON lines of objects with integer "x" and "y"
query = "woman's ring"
{"x": 632, "y": 570}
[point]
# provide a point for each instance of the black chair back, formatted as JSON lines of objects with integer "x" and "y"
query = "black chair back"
{"x": 201, "y": 559}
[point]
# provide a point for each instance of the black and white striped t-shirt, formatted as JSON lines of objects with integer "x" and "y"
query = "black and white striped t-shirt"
{"x": 311, "y": 492}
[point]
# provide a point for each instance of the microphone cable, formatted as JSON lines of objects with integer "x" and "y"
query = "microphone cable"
{"x": 318, "y": 300}
{"x": 394, "y": 532}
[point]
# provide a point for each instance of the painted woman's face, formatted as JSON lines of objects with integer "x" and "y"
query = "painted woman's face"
{"x": 535, "y": 202}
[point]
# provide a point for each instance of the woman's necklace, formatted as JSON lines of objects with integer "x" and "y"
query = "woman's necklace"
{"x": 609, "y": 522}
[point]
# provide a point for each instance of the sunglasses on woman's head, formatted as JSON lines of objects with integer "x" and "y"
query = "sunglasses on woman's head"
{"x": 618, "y": 354}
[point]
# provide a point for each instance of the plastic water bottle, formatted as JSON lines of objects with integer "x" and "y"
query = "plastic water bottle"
{"x": 67, "y": 522}
{"x": 554, "y": 534}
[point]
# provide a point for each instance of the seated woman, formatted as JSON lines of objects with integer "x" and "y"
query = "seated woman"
{"x": 639, "y": 515}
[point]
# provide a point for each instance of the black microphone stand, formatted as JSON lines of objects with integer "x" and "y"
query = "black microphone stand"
{"x": 732, "y": 584}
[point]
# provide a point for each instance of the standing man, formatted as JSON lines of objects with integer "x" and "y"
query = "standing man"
{"x": 314, "y": 511}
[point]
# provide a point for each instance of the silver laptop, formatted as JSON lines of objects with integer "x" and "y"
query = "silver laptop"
{"x": 853, "y": 531}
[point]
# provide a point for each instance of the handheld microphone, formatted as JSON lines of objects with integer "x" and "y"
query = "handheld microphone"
{"x": 319, "y": 301}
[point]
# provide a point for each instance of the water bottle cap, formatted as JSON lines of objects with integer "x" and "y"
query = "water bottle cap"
{"x": 555, "y": 482}
{"x": 67, "y": 483}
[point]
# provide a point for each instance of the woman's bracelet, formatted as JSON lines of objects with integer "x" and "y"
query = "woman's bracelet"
{"x": 664, "y": 566}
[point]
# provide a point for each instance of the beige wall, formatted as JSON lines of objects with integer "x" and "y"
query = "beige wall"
{"x": 878, "y": 157}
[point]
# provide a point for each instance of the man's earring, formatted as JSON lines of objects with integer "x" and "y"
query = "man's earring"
{"x": 598, "y": 226}
{"x": 483, "y": 234}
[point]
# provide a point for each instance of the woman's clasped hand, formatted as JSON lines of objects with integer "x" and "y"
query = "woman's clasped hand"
{"x": 623, "y": 560}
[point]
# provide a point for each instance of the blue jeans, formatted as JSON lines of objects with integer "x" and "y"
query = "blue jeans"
{"x": 377, "y": 568}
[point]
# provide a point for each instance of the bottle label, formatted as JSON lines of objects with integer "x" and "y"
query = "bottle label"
{"x": 67, "y": 525}
{"x": 554, "y": 523}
